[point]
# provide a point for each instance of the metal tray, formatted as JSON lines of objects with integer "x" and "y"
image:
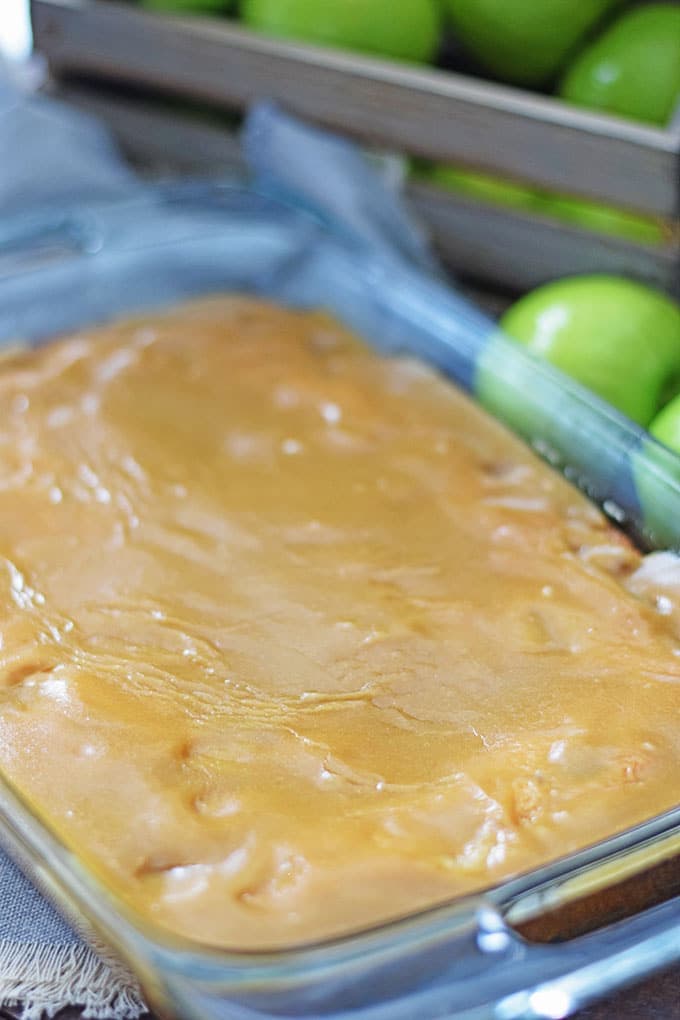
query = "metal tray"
{"x": 71, "y": 267}
{"x": 434, "y": 113}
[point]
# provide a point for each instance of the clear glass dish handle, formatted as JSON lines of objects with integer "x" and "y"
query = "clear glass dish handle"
{"x": 570, "y": 974}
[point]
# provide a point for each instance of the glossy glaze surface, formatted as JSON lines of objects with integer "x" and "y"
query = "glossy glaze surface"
{"x": 295, "y": 638}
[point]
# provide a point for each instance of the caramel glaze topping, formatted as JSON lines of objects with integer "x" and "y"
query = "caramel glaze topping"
{"x": 295, "y": 639}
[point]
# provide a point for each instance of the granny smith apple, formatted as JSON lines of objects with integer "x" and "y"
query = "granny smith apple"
{"x": 656, "y": 473}
{"x": 189, "y": 6}
{"x": 633, "y": 68}
{"x": 581, "y": 212}
{"x": 616, "y": 337}
{"x": 405, "y": 29}
{"x": 485, "y": 187}
{"x": 523, "y": 41}
{"x": 666, "y": 425}
{"x": 603, "y": 219}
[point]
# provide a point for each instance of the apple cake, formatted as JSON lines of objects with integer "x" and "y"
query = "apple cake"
{"x": 294, "y": 638}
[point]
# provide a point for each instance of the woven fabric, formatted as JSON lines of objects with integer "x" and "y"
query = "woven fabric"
{"x": 44, "y": 965}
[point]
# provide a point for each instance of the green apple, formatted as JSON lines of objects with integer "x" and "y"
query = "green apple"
{"x": 616, "y": 337}
{"x": 657, "y": 477}
{"x": 524, "y": 393}
{"x": 603, "y": 219}
{"x": 406, "y": 29}
{"x": 523, "y": 41}
{"x": 633, "y": 68}
{"x": 485, "y": 187}
{"x": 666, "y": 425}
{"x": 656, "y": 473}
{"x": 189, "y": 6}
{"x": 581, "y": 212}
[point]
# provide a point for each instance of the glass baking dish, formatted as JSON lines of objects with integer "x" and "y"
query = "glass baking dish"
{"x": 64, "y": 269}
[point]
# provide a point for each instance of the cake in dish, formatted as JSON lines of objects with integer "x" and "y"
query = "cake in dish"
{"x": 295, "y": 638}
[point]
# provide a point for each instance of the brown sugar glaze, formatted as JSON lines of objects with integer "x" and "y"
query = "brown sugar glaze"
{"x": 296, "y": 639}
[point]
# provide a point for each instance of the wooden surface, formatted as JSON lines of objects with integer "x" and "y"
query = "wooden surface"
{"x": 658, "y": 998}
{"x": 428, "y": 112}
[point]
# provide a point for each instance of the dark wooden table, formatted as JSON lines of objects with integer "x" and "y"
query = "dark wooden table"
{"x": 658, "y": 998}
